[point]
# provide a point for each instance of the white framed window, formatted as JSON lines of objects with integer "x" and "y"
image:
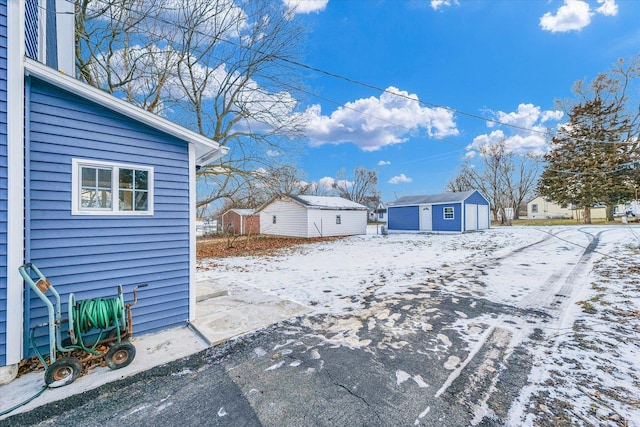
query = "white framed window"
{"x": 338, "y": 219}
{"x": 448, "y": 212}
{"x": 534, "y": 208}
{"x": 104, "y": 188}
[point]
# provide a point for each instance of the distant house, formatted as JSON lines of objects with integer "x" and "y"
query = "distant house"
{"x": 378, "y": 213}
{"x": 93, "y": 190}
{"x": 241, "y": 221}
{"x": 632, "y": 208}
{"x": 540, "y": 208}
{"x": 312, "y": 216}
{"x": 543, "y": 208}
{"x": 596, "y": 212}
{"x": 447, "y": 212}
{"x": 206, "y": 226}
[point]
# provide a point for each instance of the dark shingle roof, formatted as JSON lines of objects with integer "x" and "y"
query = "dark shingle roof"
{"x": 434, "y": 198}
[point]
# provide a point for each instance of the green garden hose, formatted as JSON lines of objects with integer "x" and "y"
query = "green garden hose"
{"x": 23, "y": 403}
{"x": 98, "y": 313}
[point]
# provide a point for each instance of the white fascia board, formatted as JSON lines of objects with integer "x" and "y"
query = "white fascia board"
{"x": 192, "y": 234}
{"x": 207, "y": 150}
{"x": 15, "y": 179}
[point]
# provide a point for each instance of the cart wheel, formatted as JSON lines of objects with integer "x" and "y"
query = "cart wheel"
{"x": 62, "y": 372}
{"x": 120, "y": 355}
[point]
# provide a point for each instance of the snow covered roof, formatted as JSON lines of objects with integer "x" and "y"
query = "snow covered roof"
{"x": 434, "y": 198}
{"x": 328, "y": 202}
{"x": 243, "y": 212}
{"x": 318, "y": 202}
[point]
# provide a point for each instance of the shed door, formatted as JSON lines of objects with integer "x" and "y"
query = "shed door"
{"x": 426, "y": 219}
{"x": 470, "y": 217}
{"x": 483, "y": 217}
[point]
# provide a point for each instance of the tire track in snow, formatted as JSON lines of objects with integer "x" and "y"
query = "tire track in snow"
{"x": 558, "y": 286}
{"x": 477, "y": 378}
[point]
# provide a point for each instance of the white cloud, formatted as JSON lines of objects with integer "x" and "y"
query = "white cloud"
{"x": 384, "y": 163}
{"x": 438, "y": 4}
{"x": 399, "y": 179}
{"x": 608, "y": 8}
{"x": 528, "y": 135}
{"x": 328, "y": 183}
{"x": 372, "y": 123}
{"x": 272, "y": 153}
{"x": 305, "y": 6}
{"x": 573, "y": 15}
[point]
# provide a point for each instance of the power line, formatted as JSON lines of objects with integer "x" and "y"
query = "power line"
{"x": 350, "y": 80}
{"x": 344, "y": 78}
{"x": 364, "y": 113}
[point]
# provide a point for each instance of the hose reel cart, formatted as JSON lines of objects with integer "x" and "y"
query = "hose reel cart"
{"x": 111, "y": 318}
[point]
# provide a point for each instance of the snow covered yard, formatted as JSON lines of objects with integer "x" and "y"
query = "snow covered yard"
{"x": 567, "y": 309}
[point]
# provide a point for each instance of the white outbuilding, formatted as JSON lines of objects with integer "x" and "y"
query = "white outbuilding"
{"x": 312, "y": 216}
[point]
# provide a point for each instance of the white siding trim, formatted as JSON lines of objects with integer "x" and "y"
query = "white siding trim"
{"x": 65, "y": 16}
{"x": 192, "y": 233}
{"x": 15, "y": 181}
{"x": 42, "y": 31}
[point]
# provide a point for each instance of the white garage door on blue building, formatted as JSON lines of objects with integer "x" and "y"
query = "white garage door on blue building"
{"x": 446, "y": 212}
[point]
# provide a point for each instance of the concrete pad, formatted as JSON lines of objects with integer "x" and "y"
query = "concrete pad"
{"x": 225, "y": 308}
{"x": 206, "y": 289}
{"x": 151, "y": 350}
{"x": 243, "y": 309}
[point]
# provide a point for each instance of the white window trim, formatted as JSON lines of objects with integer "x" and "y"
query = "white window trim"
{"x": 76, "y": 164}
{"x": 444, "y": 213}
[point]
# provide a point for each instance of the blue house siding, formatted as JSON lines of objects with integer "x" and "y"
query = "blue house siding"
{"x": 3, "y": 182}
{"x": 91, "y": 255}
{"x": 441, "y": 224}
{"x": 403, "y": 218}
{"x": 476, "y": 199}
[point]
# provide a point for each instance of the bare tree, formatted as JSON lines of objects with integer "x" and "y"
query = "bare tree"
{"x": 461, "y": 182}
{"x": 361, "y": 188}
{"x": 505, "y": 178}
{"x": 219, "y": 67}
{"x": 285, "y": 179}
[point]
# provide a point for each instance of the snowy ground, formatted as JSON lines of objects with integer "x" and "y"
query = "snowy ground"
{"x": 583, "y": 282}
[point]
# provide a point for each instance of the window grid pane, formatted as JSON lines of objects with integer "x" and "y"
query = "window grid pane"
{"x": 133, "y": 190}
{"x": 95, "y": 192}
{"x": 448, "y": 213}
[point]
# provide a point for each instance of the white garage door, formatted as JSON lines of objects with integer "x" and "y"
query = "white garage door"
{"x": 470, "y": 217}
{"x": 483, "y": 217}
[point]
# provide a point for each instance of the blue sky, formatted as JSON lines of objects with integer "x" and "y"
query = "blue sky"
{"x": 504, "y": 60}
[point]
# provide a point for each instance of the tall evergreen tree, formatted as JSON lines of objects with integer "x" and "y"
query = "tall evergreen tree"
{"x": 592, "y": 158}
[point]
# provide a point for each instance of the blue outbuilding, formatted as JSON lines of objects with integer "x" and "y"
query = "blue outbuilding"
{"x": 447, "y": 212}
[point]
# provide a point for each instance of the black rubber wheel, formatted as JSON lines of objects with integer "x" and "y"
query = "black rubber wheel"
{"x": 120, "y": 355}
{"x": 62, "y": 372}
